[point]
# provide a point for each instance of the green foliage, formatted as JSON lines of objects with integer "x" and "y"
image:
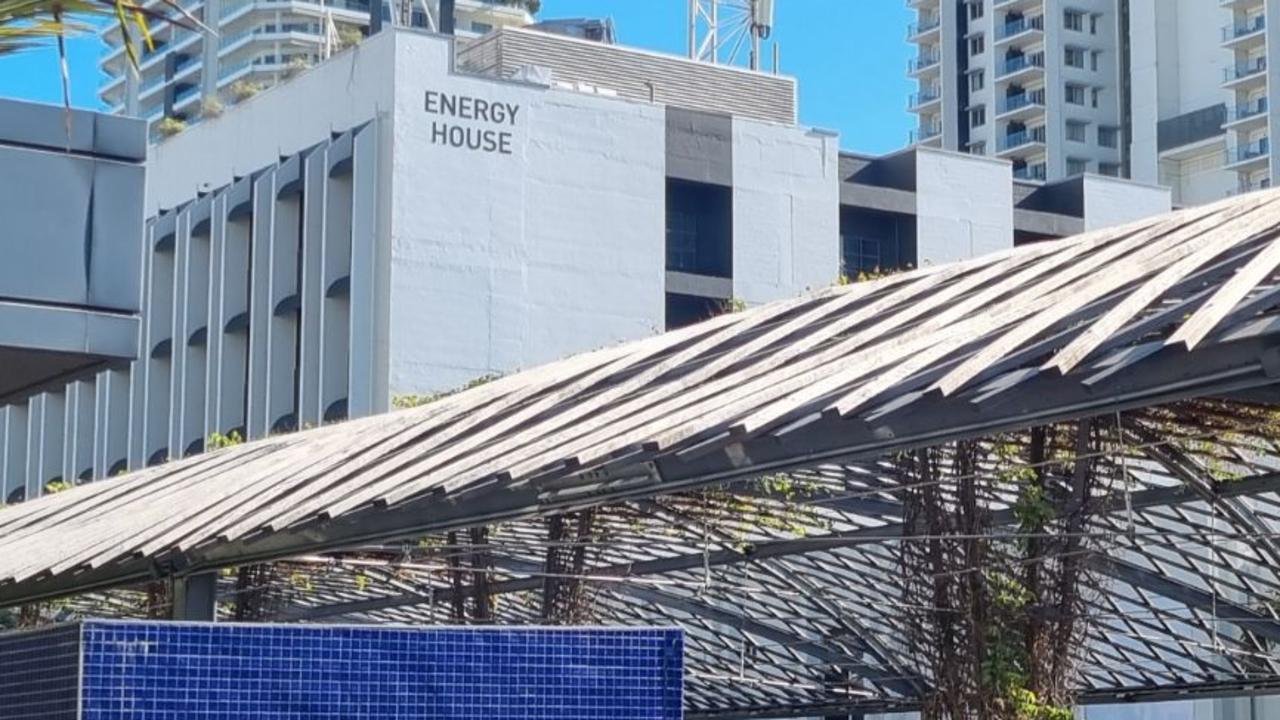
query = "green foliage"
{"x": 217, "y": 441}
{"x": 733, "y": 305}
{"x": 1033, "y": 510}
{"x": 404, "y": 402}
{"x": 301, "y": 581}
{"x": 349, "y": 35}
{"x": 211, "y": 107}
{"x": 56, "y": 486}
{"x": 362, "y": 582}
{"x": 242, "y": 90}
{"x": 170, "y": 126}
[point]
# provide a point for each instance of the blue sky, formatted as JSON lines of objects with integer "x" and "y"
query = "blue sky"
{"x": 849, "y": 55}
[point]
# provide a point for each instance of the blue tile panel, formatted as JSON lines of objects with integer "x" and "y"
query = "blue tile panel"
{"x": 39, "y": 674}
{"x": 148, "y": 671}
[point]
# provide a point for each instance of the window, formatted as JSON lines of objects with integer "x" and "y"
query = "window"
{"x": 1077, "y": 130}
{"x": 1097, "y": 93}
{"x": 699, "y": 228}
{"x": 1108, "y": 136}
{"x": 1093, "y": 59}
{"x": 975, "y": 10}
{"x": 977, "y": 44}
{"x": 1073, "y": 20}
{"x": 479, "y": 27}
{"x": 1077, "y": 166}
{"x": 1110, "y": 169}
{"x": 978, "y": 116}
{"x": 1074, "y": 57}
{"x": 1093, "y": 23}
{"x": 1075, "y": 94}
{"x": 977, "y": 80}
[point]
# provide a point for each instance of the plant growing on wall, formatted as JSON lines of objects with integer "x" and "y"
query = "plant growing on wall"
{"x": 170, "y": 126}
{"x": 1001, "y": 619}
{"x": 349, "y": 35}
{"x": 211, "y": 107}
{"x": 242, "y": 90}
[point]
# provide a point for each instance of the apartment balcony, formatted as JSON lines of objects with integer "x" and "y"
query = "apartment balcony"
{"x": 1247, "y": 158}
{"x": 1245, "y": 75}
{"x": 1243, "y": 117}
{"x": 1020, "y": 106}
{"x": 925, "y": 134}
{"x": 1016, "y": 5}
{"x": 1020, "y": 65}
{"x": 927, "y": 25}
{"x": 1022, "y": 31}
{"x": 923, "y": 62}
{"x": 926, "y": 97}
{"x": 1247, "y": 185}
{"x": 185, "y": 98}
{"x": 1245, "y": 35}
{"x": 1034, "y": 172}
{"x": 922, "y": 3}
{"x": 1022, "y": 143}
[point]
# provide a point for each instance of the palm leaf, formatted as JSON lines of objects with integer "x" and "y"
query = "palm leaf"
{"x": 26, "y": 24}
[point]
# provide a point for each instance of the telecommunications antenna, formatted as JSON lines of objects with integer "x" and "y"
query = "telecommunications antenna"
{"x": 721, "y": 31}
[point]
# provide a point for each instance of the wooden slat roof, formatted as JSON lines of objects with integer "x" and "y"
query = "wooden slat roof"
{"x": 1166, "y": 308}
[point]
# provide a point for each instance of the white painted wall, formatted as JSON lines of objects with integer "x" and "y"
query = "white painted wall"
{"x": 279, "y": 121}
{"x": 786, "y": 211}
{"x": 964, "y": 206}
{"x": 1111, "y": 201}
{"x": 554, "y": 249}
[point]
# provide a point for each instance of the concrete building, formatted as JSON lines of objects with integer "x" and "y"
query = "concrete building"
{"x": 71, "y": 194}
{"x": 258, "y": 43}
{"x": 1169, "y": 92}
{"x": 405, "y": 218}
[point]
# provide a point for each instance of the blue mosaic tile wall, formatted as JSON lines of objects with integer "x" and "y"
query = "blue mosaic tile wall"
{"x": 149, "y": 671}
{"x": 39, "y": 674}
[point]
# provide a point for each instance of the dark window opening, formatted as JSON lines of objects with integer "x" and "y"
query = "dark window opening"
{"x": 872, "y": 241}
{"x": 685, "y": 310}
{"x": 699, "y": 228}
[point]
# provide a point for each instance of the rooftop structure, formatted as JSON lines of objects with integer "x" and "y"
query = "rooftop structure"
{"x": 1141, "y": 357}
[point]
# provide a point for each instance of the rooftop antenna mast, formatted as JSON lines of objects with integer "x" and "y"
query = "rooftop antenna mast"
{"x": 719, "y": 31}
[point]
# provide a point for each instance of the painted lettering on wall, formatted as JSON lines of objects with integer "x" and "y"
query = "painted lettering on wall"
{"x": 466, "y": 135}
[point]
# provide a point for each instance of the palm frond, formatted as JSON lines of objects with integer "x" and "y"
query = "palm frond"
{"x": 27, "y": 24}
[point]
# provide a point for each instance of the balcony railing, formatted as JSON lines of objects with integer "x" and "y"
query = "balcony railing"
{"x": 1021, "y": 62}
{"x": 1245, "y": 186}
{"x": 925, "y": 96}
{"x": 1031, "y": 172}
{"x": 1019, "y": 26}
{"x": 1247, "y": 110}
{"x": 186, "y": 93}
{"x": 924, "y": 25}
{"x": 1245, "y": 153}
{"x": 1244, "y": 70}
{"x": 1022, "y": 137}
{"x": 1231, "y": 32}
{"x": 1010, "y": 103}
{"x": 925, "y": 132}
{"x": 923, "y": 61}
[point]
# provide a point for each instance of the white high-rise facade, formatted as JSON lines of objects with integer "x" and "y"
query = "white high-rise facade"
{"x": 257, "y": 44}
{"x": 1169, "y": 92}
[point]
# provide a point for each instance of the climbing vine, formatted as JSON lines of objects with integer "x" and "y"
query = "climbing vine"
{"x": 1001, "y": 619}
